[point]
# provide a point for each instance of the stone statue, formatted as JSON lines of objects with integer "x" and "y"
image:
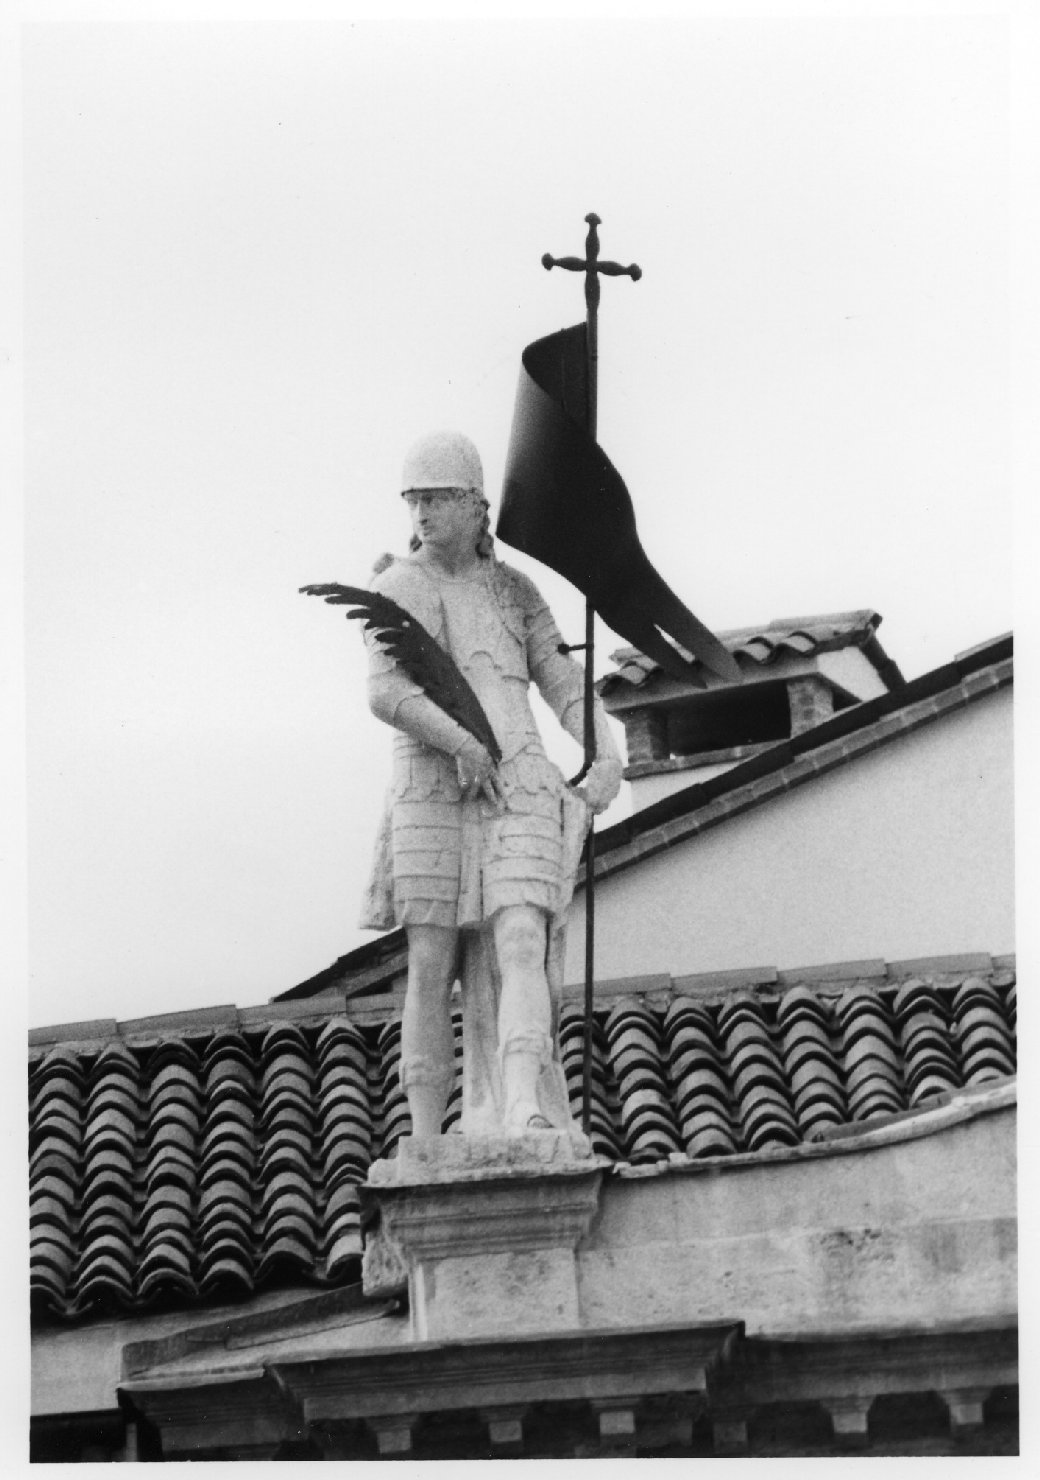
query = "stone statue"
{"x": 476, "y": 860}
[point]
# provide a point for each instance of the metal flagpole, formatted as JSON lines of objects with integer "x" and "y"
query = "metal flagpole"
{"x": 591, "y": 266}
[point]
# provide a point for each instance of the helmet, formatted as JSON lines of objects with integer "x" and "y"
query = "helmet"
{"x": 442, "y": 460}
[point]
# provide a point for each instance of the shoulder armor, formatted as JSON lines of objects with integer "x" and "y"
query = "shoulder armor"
{"x": 516, "y": 588}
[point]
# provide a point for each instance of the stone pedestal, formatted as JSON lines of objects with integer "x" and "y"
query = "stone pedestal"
{"x": 487, "y": 1228}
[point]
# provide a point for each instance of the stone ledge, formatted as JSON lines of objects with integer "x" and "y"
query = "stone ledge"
{"x": 451, "y": 1159}
{"x": 553, "y": 1367}
{"x": 868, "y": 1363}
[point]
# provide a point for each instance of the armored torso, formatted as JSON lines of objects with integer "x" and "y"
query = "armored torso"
{"x": 454, "y": 862}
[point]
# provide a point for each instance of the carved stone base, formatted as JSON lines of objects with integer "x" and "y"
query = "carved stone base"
{"x": 487, "y": 1230}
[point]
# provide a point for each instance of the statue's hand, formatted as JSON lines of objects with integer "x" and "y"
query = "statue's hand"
{"x": 601, "y": 784}
{"x": 478, "y": 774}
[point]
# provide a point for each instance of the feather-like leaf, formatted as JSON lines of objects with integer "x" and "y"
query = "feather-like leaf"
{"x": 420, "y": 656}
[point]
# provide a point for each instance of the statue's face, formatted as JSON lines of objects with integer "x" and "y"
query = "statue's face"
{"x": 444, "y": 518}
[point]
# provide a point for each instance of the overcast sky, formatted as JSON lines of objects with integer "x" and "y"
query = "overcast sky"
{"x": 261, "y": 258}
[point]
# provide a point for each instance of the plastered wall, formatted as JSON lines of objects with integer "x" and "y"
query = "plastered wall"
{"x": 906, "y": 851}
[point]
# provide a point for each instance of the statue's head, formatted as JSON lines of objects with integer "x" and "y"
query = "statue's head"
{"x": 446, "y": 466}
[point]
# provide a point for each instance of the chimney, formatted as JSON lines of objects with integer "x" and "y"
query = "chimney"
{"x": 797, "y": 672}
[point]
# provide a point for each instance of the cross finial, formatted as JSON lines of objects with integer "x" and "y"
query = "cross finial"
{"x": 591, "y": 266}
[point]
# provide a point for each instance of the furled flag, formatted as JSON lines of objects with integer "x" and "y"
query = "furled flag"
{"x": 565, "y": 503}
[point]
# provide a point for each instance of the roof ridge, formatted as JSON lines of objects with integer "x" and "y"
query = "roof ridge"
{"x": 191, "y": 1023}
{"x": 720, "y": 982}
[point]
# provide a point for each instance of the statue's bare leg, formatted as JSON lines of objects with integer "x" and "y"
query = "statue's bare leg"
{"x": 524, "y": 1013}
{"x": 427, "y": 1044}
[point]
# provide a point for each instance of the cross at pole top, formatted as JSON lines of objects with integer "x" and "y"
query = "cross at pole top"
{"x": 591, "y": 266}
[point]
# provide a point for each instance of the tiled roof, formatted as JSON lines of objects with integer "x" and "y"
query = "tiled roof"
{"x": 801, "y": 636}
{"x": 227, "y": 1156}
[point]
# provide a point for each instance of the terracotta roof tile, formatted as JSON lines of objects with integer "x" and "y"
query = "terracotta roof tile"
{"x": 764, "y": 645}
{"x": 191, "y": 1167}
{"x": 698, "y": 1081}
{"x": 870, "y": 1054}
{"x": 807, "y": 1048}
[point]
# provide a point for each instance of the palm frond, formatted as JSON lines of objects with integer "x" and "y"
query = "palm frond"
{"x": 419, "y": 655}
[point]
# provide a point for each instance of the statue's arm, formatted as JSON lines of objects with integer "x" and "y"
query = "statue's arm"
{"x": 397, "y": 701}
{"x": 392, "y": 696}
{"x": 561, "y": 683}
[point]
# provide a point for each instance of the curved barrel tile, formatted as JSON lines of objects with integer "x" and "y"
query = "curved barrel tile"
{"x": 344, "y": 1137}
{"x": 930, "y": 1061}
{"x": 57, "y": 1092}
{"x": 167, "y": 1247}
{"x": 870, "y": 1055}
{"x": 647, "y": 1121}
{"x": 107, "y": 1244}
{"x": 392, "y": 1118}
{"x": 700, "y": 1090}
{"x": 763, "y": 1102}
{"x": 807, "y": 1041}
{"x": 288, "y": 1219}
{"x": 227, "y": 1166}
{"x": 983, "y": 1036}
{"x": 602, "y": 1093}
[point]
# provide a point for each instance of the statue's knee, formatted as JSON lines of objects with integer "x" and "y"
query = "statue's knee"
{"x": 520, "y": 941}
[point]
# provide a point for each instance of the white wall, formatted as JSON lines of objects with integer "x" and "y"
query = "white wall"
{"x": 904, "y": 852}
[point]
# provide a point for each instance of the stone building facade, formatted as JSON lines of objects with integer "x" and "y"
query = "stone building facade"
{"x": 796, "y": 1234}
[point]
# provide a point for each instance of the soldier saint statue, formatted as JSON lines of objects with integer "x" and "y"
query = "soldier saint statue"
{"x": 477, "y": 857}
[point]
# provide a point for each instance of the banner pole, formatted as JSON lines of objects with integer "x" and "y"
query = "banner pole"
{"x": 591, "y": 415}
{"x": 592, "y": 268}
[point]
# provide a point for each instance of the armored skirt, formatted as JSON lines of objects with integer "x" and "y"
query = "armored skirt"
{"x": 442, "y": 860}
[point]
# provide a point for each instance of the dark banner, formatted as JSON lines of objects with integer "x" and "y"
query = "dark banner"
{"x": 565, "y": 503}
